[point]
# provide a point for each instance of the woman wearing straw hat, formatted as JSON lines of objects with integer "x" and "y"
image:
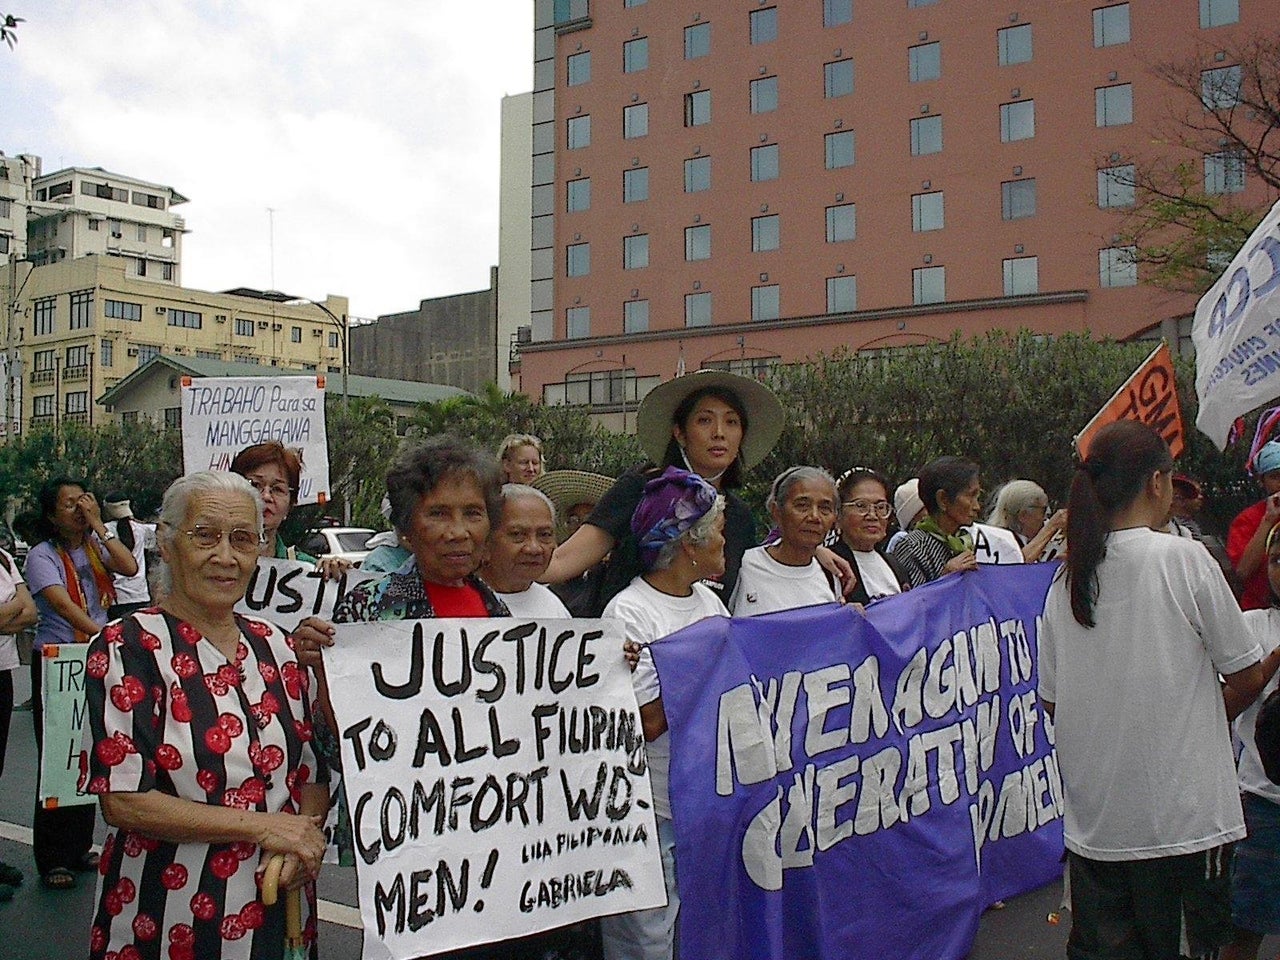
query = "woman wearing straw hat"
{"x": 711, "y": 422}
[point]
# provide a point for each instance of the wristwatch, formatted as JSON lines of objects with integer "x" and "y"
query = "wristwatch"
{"x": 108, "y": 536}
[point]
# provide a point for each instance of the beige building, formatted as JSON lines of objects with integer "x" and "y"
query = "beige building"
{"x": 77, "y": 327}
{"x": 16, "y": 175}
{"x": 514, "y": 232}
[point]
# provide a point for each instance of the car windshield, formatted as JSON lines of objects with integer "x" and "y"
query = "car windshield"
{"x": 354, "y": 540}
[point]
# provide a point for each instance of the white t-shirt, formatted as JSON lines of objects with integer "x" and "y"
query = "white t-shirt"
{"x": 877, "y": 576}
{"x": 1141, "y": 730}
{"x": 995, "y": 544}
{"x": 648, "y": 615}
{"x": 535, "y": 603}
{"x": 134, "y": 589}
{"x": 1253, "y": 778}
{"x": 9, "y": 580}
{"x": 765, "y": 585}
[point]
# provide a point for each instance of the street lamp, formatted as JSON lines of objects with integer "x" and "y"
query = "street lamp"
{"x": 13, "y": 371}
{"x": 344, "y": 340}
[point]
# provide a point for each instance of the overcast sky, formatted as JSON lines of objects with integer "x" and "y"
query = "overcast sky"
{"x": 371, "y": 129}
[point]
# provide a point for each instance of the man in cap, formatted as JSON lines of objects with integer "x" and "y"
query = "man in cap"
{"x": 1247, "y": 538}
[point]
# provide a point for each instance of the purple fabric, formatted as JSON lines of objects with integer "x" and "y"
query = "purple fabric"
{"x": 44, "y": 569}
{"x": 672, "y": 503}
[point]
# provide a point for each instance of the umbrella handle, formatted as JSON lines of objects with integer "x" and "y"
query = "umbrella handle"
{"x": 271, "y": 880}
{"x": 293, "y": 898}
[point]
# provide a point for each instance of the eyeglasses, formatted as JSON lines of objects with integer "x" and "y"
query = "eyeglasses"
{"x": 241, "y": 540}
{"x": 880, "y": 508}
{"x": 276, "y": 491}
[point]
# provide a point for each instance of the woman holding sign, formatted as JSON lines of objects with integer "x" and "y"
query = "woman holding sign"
{"x": 198, "y": 745}
{"x": 69, "y": 574}
{"x": 938, "y": 544}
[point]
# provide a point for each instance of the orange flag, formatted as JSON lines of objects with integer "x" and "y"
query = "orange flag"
{"x": 1149, "y": 396}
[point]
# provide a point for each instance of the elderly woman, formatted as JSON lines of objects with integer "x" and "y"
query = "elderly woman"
{"x": 520, "y": 547}
{"x": 69, "y": 575}
{"x": 863, "y": 496}
{"x": 198, "y": 747}
{"x": 521, "y": 457}
{"x": 274, "y": 470}
{"x": 786, "y": 574}
{"x": 712, "y": 423}
{"x": 1022, "y": 506}
{"x": 679, "y": 527}
{"x": 937, "y": 545}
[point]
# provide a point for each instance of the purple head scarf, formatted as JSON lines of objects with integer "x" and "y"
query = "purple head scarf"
{"x": 672, "y": 503}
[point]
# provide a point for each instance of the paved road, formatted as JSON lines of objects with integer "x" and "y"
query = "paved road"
{"x": 42, "y": 925}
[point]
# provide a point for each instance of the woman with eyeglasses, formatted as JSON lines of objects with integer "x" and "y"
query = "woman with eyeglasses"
{"x": 863, "y": 525}
{"x": 69, "y": 575}
{"x": 198, "y": 746}
{"x": 786, "y": 574}
{"x": 274, "y": 471}
{"x": 1022, "y": 507}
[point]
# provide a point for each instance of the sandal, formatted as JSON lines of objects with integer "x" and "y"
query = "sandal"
{"x": 88, "y": 862}
{"x": 10, "y": 876}
{"x": 59, "y": 878}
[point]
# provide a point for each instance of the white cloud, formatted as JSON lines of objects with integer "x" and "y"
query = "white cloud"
{"x": 371, "y": 130}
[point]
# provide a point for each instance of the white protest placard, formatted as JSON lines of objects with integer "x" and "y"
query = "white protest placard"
{"x": 496, "y": 777}
{"x": 286, "y": 592}
{"x": 1236, "y": 333}
{"x": 995, "y": 544}
{"x": 62, "y": 693}
{"x": 223, "y": 415}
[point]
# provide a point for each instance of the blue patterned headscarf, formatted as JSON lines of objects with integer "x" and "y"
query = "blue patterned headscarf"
{"x": 672, "y": 504}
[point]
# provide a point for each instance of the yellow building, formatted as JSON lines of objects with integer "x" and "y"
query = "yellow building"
{"x": 75, "y": 328}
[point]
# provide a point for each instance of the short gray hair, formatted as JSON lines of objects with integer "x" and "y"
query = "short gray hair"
{"x": 177, "y": 501}
{"x": 1011, "y": 499}
{"x": 789, "y": 478}
{"x": 518, "y": 491}
{"x": 695, "y": 536}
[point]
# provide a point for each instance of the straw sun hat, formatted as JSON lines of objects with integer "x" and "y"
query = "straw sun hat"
{"x": 764, "y": 412}
{"x": 568, "y": 488}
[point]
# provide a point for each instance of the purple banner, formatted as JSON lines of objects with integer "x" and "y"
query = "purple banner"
{"x": 861, "y": 787}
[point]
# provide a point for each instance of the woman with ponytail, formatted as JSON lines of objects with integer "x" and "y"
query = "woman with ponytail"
{"x": 1137, "y": 627}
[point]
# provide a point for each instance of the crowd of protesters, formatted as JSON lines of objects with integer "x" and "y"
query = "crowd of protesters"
{"x": 1145, "y": 656}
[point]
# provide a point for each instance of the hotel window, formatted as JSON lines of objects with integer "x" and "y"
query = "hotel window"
{"x": 78, "y": 401}
{"x": 77, "y": 356}
{"x": 842, "y": 294}
{"x": 697, "y": 108}
{"x": 842, "y": 223}
{"x": 579, "y": 68}
{"x": 635, "y": 184}
{"x": 243, "y": 328}
{"x": 635, "y": 121}
{"x": 634, "y": 3}
{"x": 1021, "y": 276}
{"x": 1217, "y": 13}
{"x": 635, "y": 251}
{"x": 764, "y": 162}
{"x": 764, "y": 25}
{"x": 764, "y": 95}
{"x": 123, "y": 310}
{"x": 1018, "y": 199}
{"x": 697, "y": 41}
{"x": 81, "y": 309}
{"x": 921, "y": 3}
{"x": 295, "y": 334}
{"x": 839, "y": 149}
{"x": 836, "y": 12}
{"x": 697, "y": 309}
{"x": 1118, "y": 267}
{"x": 577, "y": 195}
{"x": 924, "y": 62}
{"x": 926, "y": 136}
{"x": 107, "y": 352}
{"x": 635, "y": 55}
{"x": 1220, "y": 88}
{"x": 1014, "y": 44}
{"x": 1111, "y": 25}
{"x": 697, "y": 242}
{"x": 926, "y": 212}
{"x": 928, "y": 285}
{"x": 147, "y": 352}
{"x": 142, "y": 233}
{"x": 837, "y": 79}
{"x": 579, "y": 132}
{"x": 766, "y": 233}
{"x": 577, "y": 322}
{"x": 43, "y": 406}
{"x": 697, "y": 174}
{"x": 577, "y": 260}
{"x": 44, "y": 359}
{"x": 1017, "y": 120}
{"x": 1223, "y": 172}
{"x": 765, "y": 303}
{"x": 1116, "y": 186}
{"x": 1113, "y": 106}
{"x": 635, "y": 316}
{"x": 44, "y": 313}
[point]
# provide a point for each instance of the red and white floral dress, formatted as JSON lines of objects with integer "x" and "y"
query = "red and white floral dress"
{"x": 167, "y": 711}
